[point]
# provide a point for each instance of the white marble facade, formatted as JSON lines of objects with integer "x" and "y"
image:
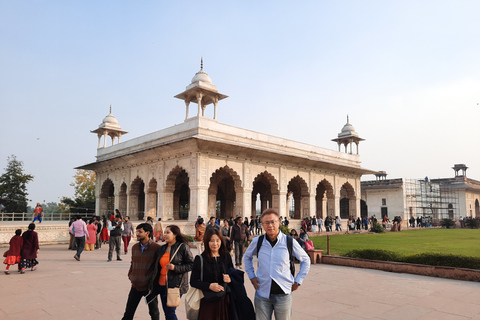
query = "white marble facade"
{"x": 206, "y": 168}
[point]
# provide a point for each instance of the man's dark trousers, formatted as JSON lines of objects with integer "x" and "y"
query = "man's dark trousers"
{"x": 239, "y": 252}
{"x": 80, "y": 244}
{"x": 114, "y": 242}
{"x": 134, "y": 298}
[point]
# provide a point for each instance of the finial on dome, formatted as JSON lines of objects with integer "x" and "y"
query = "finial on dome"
{"x": 201, "y": 63}
{"x": 347, "y": 119}
{"x": 110, "y": 109}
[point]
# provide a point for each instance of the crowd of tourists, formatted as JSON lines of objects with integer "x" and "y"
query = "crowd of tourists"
{"x": 159, "y": 271}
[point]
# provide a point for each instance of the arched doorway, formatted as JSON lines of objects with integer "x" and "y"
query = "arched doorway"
{"x": 264, "y": 187}
{"x": 347, "y": 201}
{"x": 137, "y": 199}
{"x": 222, "y": 193}
{"x": 450, "y": 210}
{"x": 178, "y": 184}
{"x": 107, "y": 197}
{"x": 297, "y": 190}
{"x": 323, "y": 195}
{"x": 363, "y": 209}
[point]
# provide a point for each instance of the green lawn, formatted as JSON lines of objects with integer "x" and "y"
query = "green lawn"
{"x": 464, "y": 242}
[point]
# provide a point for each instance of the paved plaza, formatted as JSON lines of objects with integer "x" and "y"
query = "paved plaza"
{"x": 63, "y": 288}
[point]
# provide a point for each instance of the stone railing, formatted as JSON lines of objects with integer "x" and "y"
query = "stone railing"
{"x": 55, "y": 216}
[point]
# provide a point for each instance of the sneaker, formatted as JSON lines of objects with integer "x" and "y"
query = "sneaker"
{"x": 76, "y": 257}
{"x": 109, "y": 260}
{"x": 22, "y": 271}
{"x": 7, "y": 272}
{"x": 119, "y": 259}
{"x": 34, "y": 268}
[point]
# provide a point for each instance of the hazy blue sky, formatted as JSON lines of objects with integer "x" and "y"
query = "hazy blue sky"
{"x": 406, "y": 72}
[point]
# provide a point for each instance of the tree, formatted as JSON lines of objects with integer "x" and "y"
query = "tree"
{"x": 84, "y": 197}
{"x": 13, "y": 186}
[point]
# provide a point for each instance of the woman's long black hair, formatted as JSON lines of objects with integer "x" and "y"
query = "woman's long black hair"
{"x": 178, "y": 234}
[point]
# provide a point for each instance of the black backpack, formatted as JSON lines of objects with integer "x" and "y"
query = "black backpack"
{"x": 290, "y": 251}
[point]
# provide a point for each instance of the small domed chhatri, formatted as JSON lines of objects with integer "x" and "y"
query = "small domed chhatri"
{"x": 348, "y": 137}
{"x": 202, "y": 92}
{"x": 348, "y": 130}
{"x": 110, "y": 121}
{"x": 109, "y": 127}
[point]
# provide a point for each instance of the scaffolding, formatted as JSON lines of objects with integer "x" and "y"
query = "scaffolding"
{"x": 424, "y": 198}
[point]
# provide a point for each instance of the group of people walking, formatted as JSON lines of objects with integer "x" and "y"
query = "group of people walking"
{"x": 157, "y": 267}
{"x": 98, "y": 231}
{"x": 23, "y": 250}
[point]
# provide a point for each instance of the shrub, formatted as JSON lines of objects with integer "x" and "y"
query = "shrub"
{"x": 445, "y": 260}
{"x": 284, "y": 230}
{"x": 447, "y": 223}
{"x": 377, "y": 228}
{"x": 190, "y": 238}
{"x": 430, "y": 259}
{"x": 373, "y": 254}
{"x": 471, "y": 223}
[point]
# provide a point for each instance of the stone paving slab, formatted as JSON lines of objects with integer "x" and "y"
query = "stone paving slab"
{"x": 63, "y": 288}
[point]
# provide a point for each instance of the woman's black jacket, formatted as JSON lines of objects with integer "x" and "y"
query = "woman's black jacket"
{"x": 183, "y": 261}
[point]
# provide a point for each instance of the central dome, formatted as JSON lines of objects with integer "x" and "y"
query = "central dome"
{"x": 110, "y": 119}
{"x": 348, "y": 130}
{"x": 201, "y": 76}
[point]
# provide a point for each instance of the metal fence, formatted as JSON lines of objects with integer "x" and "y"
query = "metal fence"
{"x": 55, "y": 216}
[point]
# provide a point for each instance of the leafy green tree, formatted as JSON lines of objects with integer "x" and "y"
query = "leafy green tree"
{"x": 13, "y": 186}
{"x": 84, "y": 197}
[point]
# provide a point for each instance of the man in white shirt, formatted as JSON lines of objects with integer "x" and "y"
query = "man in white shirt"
{"x": 274, "y": 281}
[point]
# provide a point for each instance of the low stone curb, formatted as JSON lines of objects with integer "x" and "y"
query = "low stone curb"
{"x": 401, "y": 267}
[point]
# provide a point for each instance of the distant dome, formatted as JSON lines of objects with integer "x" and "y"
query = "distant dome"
{"x": 110, "y": 122}
{"x": 348, "y": 130}
{"x": 201, "y": 76}
{"x": 110, "y": 119}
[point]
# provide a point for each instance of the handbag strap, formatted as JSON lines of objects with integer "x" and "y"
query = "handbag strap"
{"x": 166, "y": 276}
{"x": 175, "y": 252}
{"x": 201, "y": 267}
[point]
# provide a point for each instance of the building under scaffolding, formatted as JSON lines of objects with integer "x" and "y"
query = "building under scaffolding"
{"x": 430, "y": 199}
{"x": 452, "y": 198}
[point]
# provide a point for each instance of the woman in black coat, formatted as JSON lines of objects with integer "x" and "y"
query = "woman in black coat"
{"x": 30, "y": 249}
{"x": 172, "y": 272}
{"x": 216, "y": 263}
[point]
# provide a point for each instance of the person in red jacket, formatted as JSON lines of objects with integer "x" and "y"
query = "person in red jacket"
{"x": 38, "y": 213}
{"x": 14, "y": 252}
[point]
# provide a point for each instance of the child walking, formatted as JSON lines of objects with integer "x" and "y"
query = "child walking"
{"x": 14, "y": 252}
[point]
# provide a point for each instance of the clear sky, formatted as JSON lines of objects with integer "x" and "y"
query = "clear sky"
{"x": 406, "y": 72}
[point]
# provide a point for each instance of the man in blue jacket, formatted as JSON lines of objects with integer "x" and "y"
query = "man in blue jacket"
{"x": 274, "y": 281}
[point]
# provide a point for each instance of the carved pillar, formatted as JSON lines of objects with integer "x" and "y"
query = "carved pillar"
{"x": 105, "y": 139}
{"x": 199, "y": 101}
{"x": 187, "y": 103}
{"x": 198, "y": 202}
{"x": 215, "y": 108}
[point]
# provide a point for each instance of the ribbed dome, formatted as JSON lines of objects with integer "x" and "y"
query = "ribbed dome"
{"x": 110, "y": 119}
{"x": 348, "y": 130}
{"x": 201, "y": 76}
{"x": 110, "y": 122}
